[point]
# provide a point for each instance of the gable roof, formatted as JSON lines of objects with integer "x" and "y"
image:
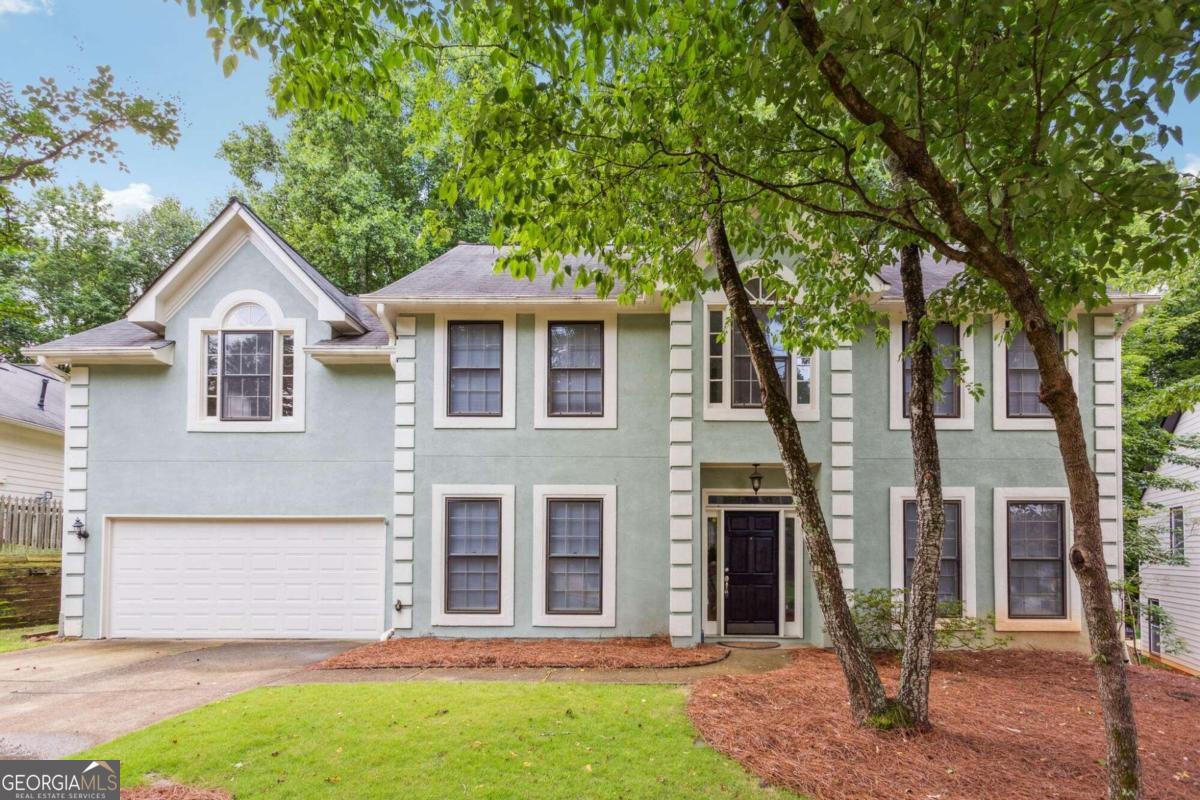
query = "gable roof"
{"x": 230, "y": 227}
{"x": 467, "y": 272}
{"x": 20, "y": 391}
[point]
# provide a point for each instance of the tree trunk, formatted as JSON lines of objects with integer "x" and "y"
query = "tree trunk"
{"x": 921, "y": 608}
{"x": 867, "y": 696}
{"x": 1058, "y": 394}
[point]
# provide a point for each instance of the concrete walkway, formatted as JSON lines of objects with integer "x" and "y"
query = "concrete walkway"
{"x": 739, "y": 662}
{"x": 62, "y": 698}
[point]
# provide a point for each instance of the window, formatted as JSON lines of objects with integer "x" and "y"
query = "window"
{"x": 243, "y": 370}
{"x": 732, "y": 384}
{"x": 475, "y": 371}
{"x": 471, "y": 548}
{"x": 1016, "y": 382}
{"x": 950, "y": 576}
{"x": 475, "y": 363}
{"x": 947, "y": 402}
{"x": 789, "y": 569}
{"x": 576, "y": 369}
{"x": 473, "y": 555}
{"x": 953, "y": 406}
{"x": 573, "y": 569}
{"x": 1153, "y": 626}
{"x": 1176, "y": 524}
{"x": 1024, "y": 380}
{"x": 711, "y": 571}
{"x": 1036, "y": 559}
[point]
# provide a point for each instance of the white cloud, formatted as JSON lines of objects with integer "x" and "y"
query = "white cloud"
{"x": 1191, "y": 164}
{"x": 24, "y": 6}
{"x": 130, "y": 201}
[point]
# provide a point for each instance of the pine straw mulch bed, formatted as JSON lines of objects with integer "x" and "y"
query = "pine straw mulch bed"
{"x": 623, "y": 653}
{"x": 166, "y": 790}
{"x": 1015, "y": 724}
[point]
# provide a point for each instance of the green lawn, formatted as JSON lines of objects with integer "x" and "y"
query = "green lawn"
{"x": 10, "y": 639}
{"x": 436, "y": 740}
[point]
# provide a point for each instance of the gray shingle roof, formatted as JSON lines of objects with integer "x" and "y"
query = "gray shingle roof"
{"x": 468, "y": 271}
{"x": 20, "y": 389}
{"x": 121, "y": 333}
{"x": 936, "y": 273}
{"x": 376, "y": 335}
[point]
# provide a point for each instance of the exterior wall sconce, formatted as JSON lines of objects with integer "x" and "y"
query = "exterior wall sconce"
{"x": 756, "y": 480}
{"x": 78, "y": 529}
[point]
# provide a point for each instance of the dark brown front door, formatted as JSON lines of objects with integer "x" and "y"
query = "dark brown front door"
{"x": 752, "y": 572}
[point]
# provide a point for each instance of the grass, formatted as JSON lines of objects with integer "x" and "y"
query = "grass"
{"x": 10, "y": 639}
{"x": 434, "y": 740}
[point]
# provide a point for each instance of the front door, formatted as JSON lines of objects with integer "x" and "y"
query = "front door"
{"x": 752, "y": 572}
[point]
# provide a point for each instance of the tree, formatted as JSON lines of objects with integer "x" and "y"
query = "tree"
{"x": 358, "y": 198}
{"x": 1025, "y": 130}
{"x": 151, "y": 240}
{"x": 44, "y": 124}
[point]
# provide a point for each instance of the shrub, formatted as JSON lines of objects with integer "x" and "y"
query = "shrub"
{"x": 879, "y": 614}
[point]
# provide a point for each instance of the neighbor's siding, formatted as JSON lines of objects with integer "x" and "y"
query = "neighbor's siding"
{"x": 1177, "y": 588}
{"x": 31, "y": 461}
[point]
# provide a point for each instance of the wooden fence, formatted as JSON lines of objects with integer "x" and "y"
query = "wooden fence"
{"x": 30, "y": 522}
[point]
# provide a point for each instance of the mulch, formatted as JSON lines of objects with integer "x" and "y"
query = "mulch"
{"x": 1011, "y": 725}
{"x": 166, "y": 790}
{"x": 621, "y": 653}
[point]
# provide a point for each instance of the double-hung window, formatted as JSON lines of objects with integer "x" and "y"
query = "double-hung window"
{"x": 746, "y": 391}
{"x": 574, "y": 568}
{"x": 1176, "y": 530}
{"x": 472, "y": 555}
{"x": 1017, "y": 382}
{"x": 950, "y": 593}
{"x": 1037, "y": 577}
{"x": 575, "y": 369}
{"x": 948, "y": 400}
{"x": 475, "y": 369}
{"x": 247, "y": 375}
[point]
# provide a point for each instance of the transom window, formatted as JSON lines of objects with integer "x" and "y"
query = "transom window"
{"x": 1176, "y": 530}
{"x": 1036, "y": 559}
{"x": 950, "y": 576}
{"x": 575, "y": 369}
{"x": 947, "y": 403}
{"x": 574, "y": 571}
{"x": 247, "y": 369}
{"x": 475, "y": 371}
{"x": 473, "y": 555}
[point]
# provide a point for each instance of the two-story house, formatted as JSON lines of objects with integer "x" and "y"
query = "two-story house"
{"x": 252, "y": 453}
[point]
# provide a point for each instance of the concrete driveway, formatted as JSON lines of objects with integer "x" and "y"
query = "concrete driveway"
{"x": 62, "y": 698}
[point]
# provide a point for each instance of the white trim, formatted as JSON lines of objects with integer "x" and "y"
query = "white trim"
{"x": 178, "y": 284}
{"x": 1001, "y": 498}
{"x": 142, "y": 354}
{"x": 794, "y": 629}
{"x": 607, "y": 618}
{"x": 1000, "y": 419}
{"x": 506, "y": 493}
{"x": 508, "y": 369}
{"x": 966, "y": 344}
{"x": 346, "y": 354}
{"x": 965, "y": 496}
{"x": 541, "y": 418}
{"x": 198, "y": 328}
{"x": 724, "y": 411}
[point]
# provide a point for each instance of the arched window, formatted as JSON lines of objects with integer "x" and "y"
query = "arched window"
{"x": 248, "y": 315}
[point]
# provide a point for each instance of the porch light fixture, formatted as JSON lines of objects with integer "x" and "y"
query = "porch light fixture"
{"x": 78, "y": 529}
{"x": 756, "y": 480}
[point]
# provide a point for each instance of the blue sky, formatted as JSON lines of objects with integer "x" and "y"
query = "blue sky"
{"x": 154, "y": 47}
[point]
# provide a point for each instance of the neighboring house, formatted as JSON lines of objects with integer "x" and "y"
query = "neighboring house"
{"x": 1176, "y": 587}
{"x": 464, "y": 454}
{"x": 31, "y": 431}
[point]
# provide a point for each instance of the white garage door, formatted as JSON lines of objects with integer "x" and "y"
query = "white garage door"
{"x": 246, "y": 578}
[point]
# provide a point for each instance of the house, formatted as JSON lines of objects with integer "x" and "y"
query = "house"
{"x": 31, "y": 431}
{"x": 253, "y": 453}
{"x": 1175, "y": 587}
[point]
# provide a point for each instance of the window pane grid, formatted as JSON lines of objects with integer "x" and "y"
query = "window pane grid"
{"x": 746, "y": 391}
{"x": 212, "y": 373}
{"x": 1176, "y": 524}
{"x": 573, "y": 556}
{"x": 716, "y": 357}
{"x": 474, "y": 358}
{"x": 287, "y": 380}
{"x": 1024, "y": 382}
{"x": 946, "y": 346}
{"x": 576, "y": 369}
{"x": 950, "y": 573}
{"x": 473, "y": 555}
{"x": 246, "y": 376}
{"x": 1036, "y": 560}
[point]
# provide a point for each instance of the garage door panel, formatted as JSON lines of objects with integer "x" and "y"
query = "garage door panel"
{"x": 246, "y": 578}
